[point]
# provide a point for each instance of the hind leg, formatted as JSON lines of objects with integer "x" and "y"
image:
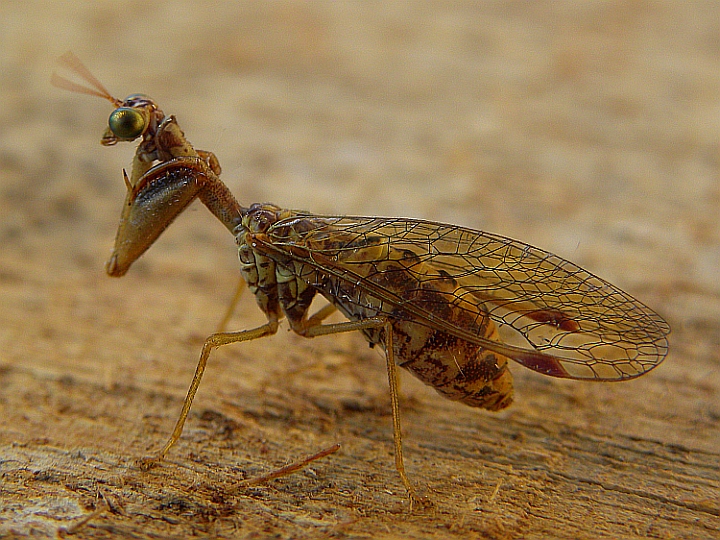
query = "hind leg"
{"x": 312, "y": 327}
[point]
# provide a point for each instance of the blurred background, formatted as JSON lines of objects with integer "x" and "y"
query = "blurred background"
{"x": 588, "y": 129}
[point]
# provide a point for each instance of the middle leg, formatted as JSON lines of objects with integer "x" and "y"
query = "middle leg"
{"x": 314, "y": 328}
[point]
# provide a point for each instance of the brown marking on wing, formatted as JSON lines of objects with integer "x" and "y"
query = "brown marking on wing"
{"x": 542, "y": 363}
{"x": 556, "y": 318}
{"x": 567, "y": 322}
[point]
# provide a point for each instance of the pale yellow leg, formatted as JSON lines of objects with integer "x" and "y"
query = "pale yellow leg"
{"x": 374, "y": 322}
{"x": 322, "y": 314}
{"x": 214, "y": 341}
{"x": 395, "y": 406}
{"x": 313, "y": 328}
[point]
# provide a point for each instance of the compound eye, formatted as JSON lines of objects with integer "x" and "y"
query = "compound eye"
{"x": 126, "y": 123}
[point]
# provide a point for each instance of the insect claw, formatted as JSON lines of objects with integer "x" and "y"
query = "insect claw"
{"x": 128, "y": 185}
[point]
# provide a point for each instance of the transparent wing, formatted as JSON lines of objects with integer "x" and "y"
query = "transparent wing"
{"x": 553, "y": 316}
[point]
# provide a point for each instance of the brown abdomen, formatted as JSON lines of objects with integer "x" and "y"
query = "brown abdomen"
{"x": 457, "y": 369}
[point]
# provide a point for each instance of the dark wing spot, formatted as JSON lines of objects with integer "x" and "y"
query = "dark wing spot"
{"x": 555, "y": 318}
{"x": 409, "y": 256}
{"x": 542, "y": 364}
{"x": 447, "y": 278}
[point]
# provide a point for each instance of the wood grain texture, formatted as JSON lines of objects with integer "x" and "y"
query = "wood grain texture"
{"x": 590, "y": 130}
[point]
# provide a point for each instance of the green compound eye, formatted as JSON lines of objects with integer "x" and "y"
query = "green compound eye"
{"x": 126, "y": 123}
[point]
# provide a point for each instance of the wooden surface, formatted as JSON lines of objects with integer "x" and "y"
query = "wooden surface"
{"x": 590, "y": 130}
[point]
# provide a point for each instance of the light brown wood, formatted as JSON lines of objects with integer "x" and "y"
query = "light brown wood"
{"x": 590, "y": 130}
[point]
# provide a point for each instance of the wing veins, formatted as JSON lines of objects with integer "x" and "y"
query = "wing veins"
{"x": 609, "y": 335}
{"x": 325, "y": 265}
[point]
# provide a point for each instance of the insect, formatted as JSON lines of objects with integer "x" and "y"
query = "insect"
{"x": 451, "y": 305}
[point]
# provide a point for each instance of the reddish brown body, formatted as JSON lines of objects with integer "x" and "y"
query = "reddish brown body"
{"x": 283, "y": 284}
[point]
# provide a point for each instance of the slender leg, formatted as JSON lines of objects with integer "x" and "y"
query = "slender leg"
{"x": 322, "y": 314}
{"x": 231, "y": 308}
{"x": 395, "y": 406}
{"x": 311, "y": 328}
{"x": 314, "y": 329}
{"x": 214, "y": 341}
